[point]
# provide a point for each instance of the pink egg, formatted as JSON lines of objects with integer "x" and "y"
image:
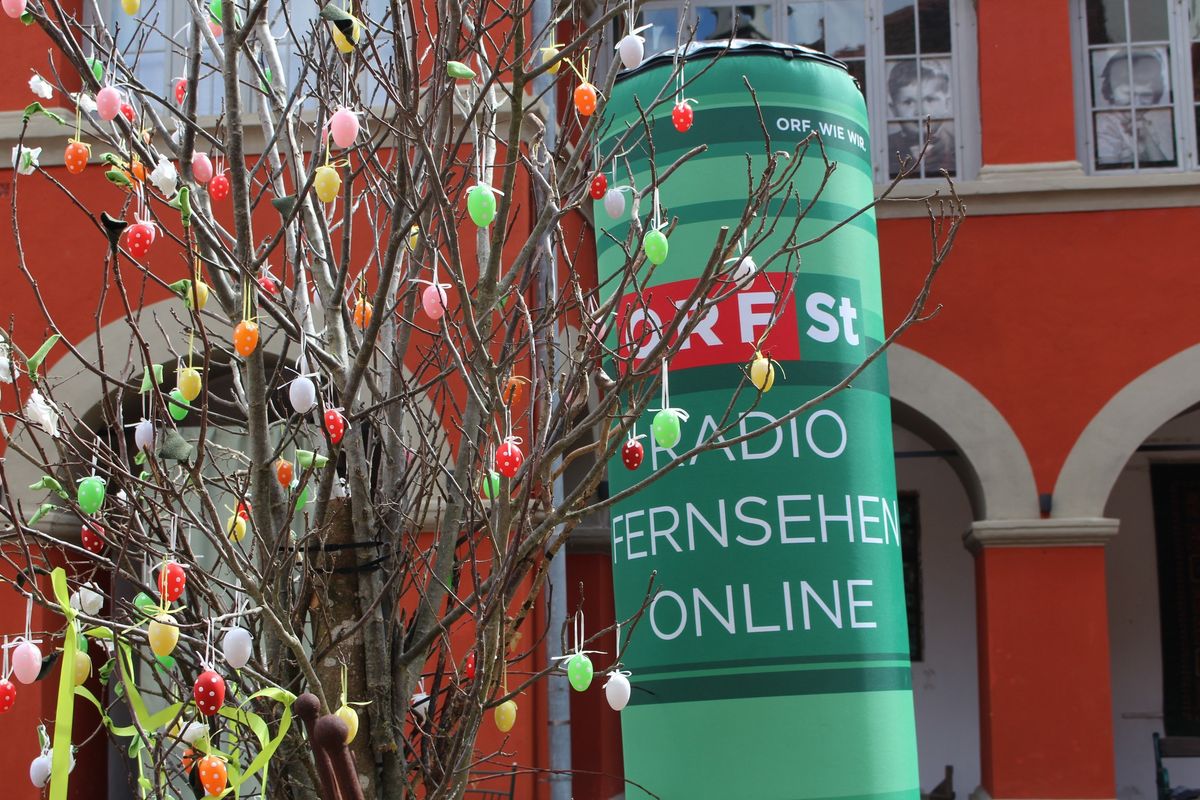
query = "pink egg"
{"x": 215, "y": 28}
{"x": 433, "y": 300}
{"x": 344, "y": 126}
{"x": 27, "y": 662}
{"x": 108, "y": 103}
{"x": 202, "y": 168}
{"x": 14, "y": 8}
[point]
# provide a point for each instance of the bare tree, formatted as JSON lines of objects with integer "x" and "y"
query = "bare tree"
{"x": 345, "y": 433}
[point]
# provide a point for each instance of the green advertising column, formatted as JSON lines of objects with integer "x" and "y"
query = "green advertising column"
{"x": 773, "y": 660}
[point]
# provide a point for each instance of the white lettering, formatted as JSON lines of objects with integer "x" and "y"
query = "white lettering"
{"x": 654, "y": 619}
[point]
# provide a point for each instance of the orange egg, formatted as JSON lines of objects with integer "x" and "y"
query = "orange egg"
{"x": 285, "y": 473}
{"x": 245, "y": 338}
{"x": 585, "y": 99}
{"x": 138, "y": 170}
{"x": 362, "y": 313}
{"x": 514, "y": 390}
{"x": 214, "y": 775}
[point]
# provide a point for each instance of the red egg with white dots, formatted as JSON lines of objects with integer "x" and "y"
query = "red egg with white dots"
{"x": 128, "y": 112}
{"x": 171, "y": 581}
{"x": 469, "y": 667}
{"x": 599, "y": 186}
{"x": 209, "y": 693}
{"x": 8, "y": 695}
{"x": 335, "y": 425}
{"x": 509, "y": 458}
{"x": 632, "y": 454}
{"x": 682, "y": 116}
{"x": 138, "y": 238}
{"x": 218, "y": 187}
{"x": 180, "y": 90}
{"x": 92, "y": 538}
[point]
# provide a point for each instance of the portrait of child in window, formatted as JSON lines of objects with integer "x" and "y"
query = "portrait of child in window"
{"x": 914, "y": 93}
{"x": 1136, "y": 86}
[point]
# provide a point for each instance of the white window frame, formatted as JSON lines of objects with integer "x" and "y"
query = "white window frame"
{"x": 964, "y": 77}
{"x": 1182, "y": 105}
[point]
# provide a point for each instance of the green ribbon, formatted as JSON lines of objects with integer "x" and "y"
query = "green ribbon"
{"x": 60, "y": 764}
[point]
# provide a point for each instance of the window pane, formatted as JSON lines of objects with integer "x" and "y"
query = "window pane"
{"x": 1148, "y": 18}
{"x": 846, "y": 28}
{"x": 904, "y": 142}
{"x": 941, "y": 154}
{"x": 1196, "y": 72}
{"x": 1139, "y": 78}
{"x": 1114, "y": 139}
{"x": 899, "y": 28}
{"x": 666, "y": 26}
{"x": 1109, "y": 67}
{"x": 1155, "y": 138}
{"x": 740, "y": 22}
{"x": 916, "y": 90}
{"x": 935, "y": 26}
{"x": 858, "y": 71}
{"x": 903, "y": 91}
{"x": 935, "y": 88}
{"x": 1106, "y": 21}
{"x": 806, "y": 25}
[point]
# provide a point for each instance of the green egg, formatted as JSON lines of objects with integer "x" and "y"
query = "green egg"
{"x": 655, "y": 247}
{"x": 579, "y": 672}
{"x": 491, "y": 485}
{"x": 666, "y": 428}
{"x": 177, "y": 405}
{"x": 481, "y": 205}
{"x": 91, "y": 494}
{"x": 97, "y": 69}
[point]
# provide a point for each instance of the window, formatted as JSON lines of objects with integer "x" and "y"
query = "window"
{"x": 907, "y": 55}
{"x": 909, "y": 507}
{"x": 1140, "y": 91}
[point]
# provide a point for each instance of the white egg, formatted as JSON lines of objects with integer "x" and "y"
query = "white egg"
{"x": 420, "y": 705}
{"x": 303, "y": 395}
{"x": 39, "y": 770}
{"x": 616, "y": 691}
{"x": 237, "y": 646}
{"x": 614, "y": 202}
{"x": 745, "y": 270}
{"x": 632, "y": 49}
{"x": 194, "y": 732}
{"x": 143, "y": 435}
{"x": 87, "y": 600}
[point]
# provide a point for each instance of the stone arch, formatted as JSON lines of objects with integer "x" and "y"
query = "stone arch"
{"x": 1119, "y": 428}
{"x": 949, "y": 413}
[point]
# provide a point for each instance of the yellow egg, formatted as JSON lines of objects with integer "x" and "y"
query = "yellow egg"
{"x": 327, "y": 182}
{"x": 163, "y": 635}
{"x": 131, "y": 7}
{"x": 414, "y": 236}
{"x": 236, "y": 526}
{"x": 197, "y": 293}
{"x": 762, "y": 372}
{"x": 349, "y": 716}
{"x": 505, "y": 716}
{"x": 189, "y": 383}
{"x": 549, "y": 53}
{"x": 83, "y": 667}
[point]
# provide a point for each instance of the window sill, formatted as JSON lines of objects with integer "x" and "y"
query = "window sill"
{"x": 1046, "y": 188}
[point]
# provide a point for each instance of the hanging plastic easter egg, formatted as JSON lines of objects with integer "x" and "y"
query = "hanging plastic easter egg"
{"x": 481, "y": 204}
{"x": 108, "y": 103}
{"x": 285, "y": 473}
{"x": 579, "y": 672}
{"x": 138, "y": 238}
{"x": 237, "y": 646}
{"x": 632, "y": 454}
{"x": 327, "y": 182}
{"x": 302, "y": 394}
{"x": 8, "y": 695}
{"x": 343, "y": 126}
{"x": 128, "y": 113}
{"x": 682, "y": 116}
{"x": 745, "y": 270}
{"x": 514, "y": 390}
{"x": 509, "y": 459}
{"x": 218, "y": 187}
{"x": 26, "y": 662}
{"x": 163, "y": 634}
{"x": 214, "y": 775}
{"x": 335, "y": 425}
{"x": 90, "y": 494}
{"x": 666, "y": 427}
{"x": 491, "y": 485}
{"x": 97, "y": 68}
{"x": 180, "y": 88}
{"x": 39, "y": 769}
{"x": 145, "y": 604}
{"x": 762, "y": 372}
{"x": 14, "y": 8}
{"x": 617, "y": 691}
{"x": 362, "y": 313}
{"x": 202, "y": 167}
{"x": 91, "y": 536}
{"x": 171, "y": 581}
{"x": 349, "y": 716}
{"x": 614, "y": 203}
{"x": 75, "y": 157}
{"x": 469, "y": 666}
{"x": 632, "y": 49}
{"x": 433, "y": 301}
{"x": 87, "y": 600}
{"x": 655, "y": 247}
{"x": 236, "y": 526}
{"x": 599, "y": 186}
{"x": 83, "y": 668}
{"x": 188, "y": 383}
{"x": 209, "y": 693}
{"x": 420, "y": 705}
{"x": 196, "y": 296}
{"x": 585, "y": 99}
{"x": 177, "y": 405}
{"x": 143, "y": 435}
{"x": 505, "y": 716}
{"x": 549, "y": 53}
{"x": 268, "y": 283}
{"x": 245, "y": 337}
{"x": 194, "y": 732}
